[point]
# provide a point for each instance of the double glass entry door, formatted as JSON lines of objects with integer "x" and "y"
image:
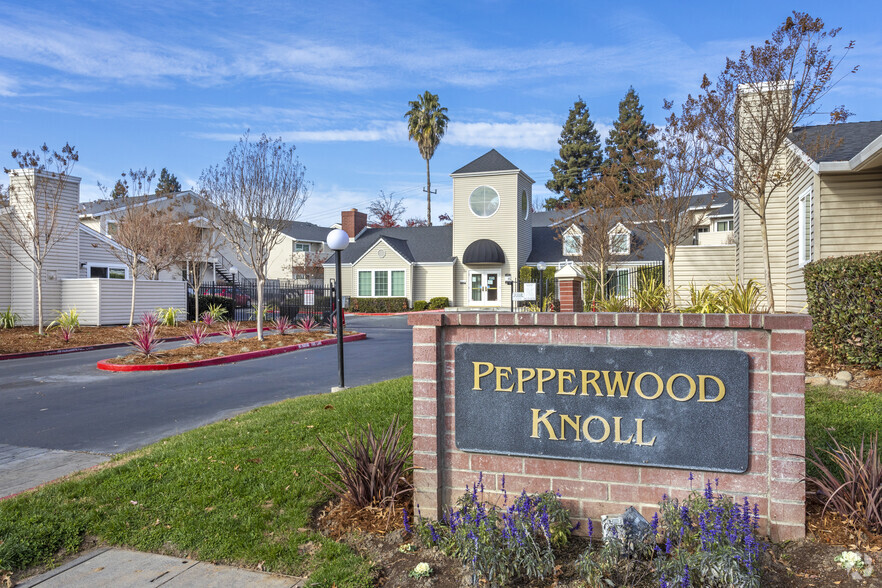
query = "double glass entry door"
{"x": 484, "y": 288}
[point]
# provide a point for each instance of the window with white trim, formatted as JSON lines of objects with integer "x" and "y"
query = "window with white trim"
{"x": 381, "y": 283}
{"x": 112, "y": 228}
{"x": 572, "y": 244}
{"x": 104, "y": 271}
{"x": 805, "y": 227}
{"x": 620, "y": 243}
{"x": 725, "y": 225}
{"x": 301, "y": 247}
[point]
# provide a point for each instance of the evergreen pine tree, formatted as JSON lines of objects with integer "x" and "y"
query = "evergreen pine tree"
{"x": 168, "y": 183}
{"x": 581, "y": 156}
{"x": 630, "y": 134}
{"x": 120, "y": 190}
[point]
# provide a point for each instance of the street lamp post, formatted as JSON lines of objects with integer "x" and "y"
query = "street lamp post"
{"x": 541, "y": 267}
{"x": 338, "y": 240}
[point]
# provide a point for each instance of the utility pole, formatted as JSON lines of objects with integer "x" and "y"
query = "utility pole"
{"x": 429, "y": 212}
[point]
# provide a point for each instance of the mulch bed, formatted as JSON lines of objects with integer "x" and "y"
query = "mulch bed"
{"x": 26, "y": 339}
{"x": 820, "y": 361}
{"x": 189, "y": 352}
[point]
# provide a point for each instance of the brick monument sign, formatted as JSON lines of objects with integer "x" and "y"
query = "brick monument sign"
{"x": 612, "y": 409}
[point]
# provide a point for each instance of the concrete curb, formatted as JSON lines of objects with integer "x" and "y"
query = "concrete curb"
{"x": 103, "y": 365}
{"x": 26, "y": 354}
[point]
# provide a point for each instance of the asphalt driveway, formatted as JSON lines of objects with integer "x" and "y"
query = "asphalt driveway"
{"x": 64, "y": 402}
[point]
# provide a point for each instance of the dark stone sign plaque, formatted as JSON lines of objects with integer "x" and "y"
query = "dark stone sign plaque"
{"x": 676, "y": 408}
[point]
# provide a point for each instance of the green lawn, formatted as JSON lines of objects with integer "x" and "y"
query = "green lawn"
{"x": 846, "y": 414}
{"x": 240, "y": 491}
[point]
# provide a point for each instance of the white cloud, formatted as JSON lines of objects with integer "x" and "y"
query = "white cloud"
{"x": 8, "y": 85}
{"x": 521, "y": 135}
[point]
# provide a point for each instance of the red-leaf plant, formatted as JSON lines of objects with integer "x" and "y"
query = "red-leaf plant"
{"x": 206, "y": 319}
{"x": 197, "y": 333}
{"x": 144, "y": 339}
{"x": 857, "y": 492}
{"x": 232, "y": 329}
{"x": 282, "y": 325}
{"x": 307, "y": 324}
{"x": 65, "y": 331}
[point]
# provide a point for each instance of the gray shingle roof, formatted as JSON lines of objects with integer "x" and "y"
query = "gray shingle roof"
{"x": 848, "y": 139}
{"x": 303, "y": 231}
{"x": 489, "y": 162}
{"x": 547, "y": 248}
{"x": 417, "y": 244}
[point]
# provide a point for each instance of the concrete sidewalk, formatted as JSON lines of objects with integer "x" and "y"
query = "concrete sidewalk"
{"x": 119, "y": 568}
{"x": 23, "y": 468}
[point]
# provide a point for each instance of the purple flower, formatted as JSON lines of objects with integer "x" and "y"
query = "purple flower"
{"x": 407, "y": 523}
{"x": 685, "y": 582}
{"x": 590, "y": 528}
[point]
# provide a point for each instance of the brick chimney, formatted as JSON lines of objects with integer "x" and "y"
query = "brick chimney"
{"x": 353, "y": 222}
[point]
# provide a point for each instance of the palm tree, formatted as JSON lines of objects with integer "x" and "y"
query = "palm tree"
{"x": 426, "y": 123}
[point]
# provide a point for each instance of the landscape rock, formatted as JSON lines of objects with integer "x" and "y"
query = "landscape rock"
{"x": 817, "y": 381}
{"x": 839, "y": 383}
{"x": 844, "y": 376}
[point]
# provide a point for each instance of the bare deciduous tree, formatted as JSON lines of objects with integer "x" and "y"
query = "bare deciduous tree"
{"x": 748, "y": 114}
{"x": 595, "y": 213}
{"x": 385, "y": 211}
{"x": 258, "y": 189}
{"x": 666, "y": 184}
{"x": 38, "y": 218}
{"x": 307, "y": 263}
{"x": 197, "y": 246}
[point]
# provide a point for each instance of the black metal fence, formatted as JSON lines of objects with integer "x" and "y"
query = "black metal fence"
{"x": 624, "y": 283}
{"x": 280, "y": 298}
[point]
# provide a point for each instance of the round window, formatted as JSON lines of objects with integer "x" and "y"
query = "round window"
{"x": 484, "y": 201}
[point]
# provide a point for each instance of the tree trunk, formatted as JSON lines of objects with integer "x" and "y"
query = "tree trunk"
{"x": 601, "y": 275}
{"x": 428, "y": 195}
{"x": 669, "y": 277}
{"x": 767, "y": 264}
{"x": 39, "y": 276}
{"x": 260, "y": 282}
{"x": 134, "y": 281}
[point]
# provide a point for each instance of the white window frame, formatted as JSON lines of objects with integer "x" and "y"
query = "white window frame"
{"x": 806, "y": 233}
{"x": 575, "y": 240}
{"x": 626, "y": 235}
{"x": 300, "y": 244}
{"x": 373, "y": 273}
{"x": 107, "y": 224}
{"x": 108, "y": 267}
{"x": 729, "y": 223}
{"x": 498, "y": 200}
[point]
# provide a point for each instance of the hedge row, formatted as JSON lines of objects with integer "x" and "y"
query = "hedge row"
{"x": 377, "y": 304}
{"x": 845, "y": 301}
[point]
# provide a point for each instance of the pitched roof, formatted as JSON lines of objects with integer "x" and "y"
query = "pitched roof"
{"x": 415, "y": 244}
{"x": 491, "y": 161}
{"x": 848, "y": 139}
{"x": 303, "y": 231}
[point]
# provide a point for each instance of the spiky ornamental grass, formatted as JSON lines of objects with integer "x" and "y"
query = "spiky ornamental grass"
{"x": 197, "y": 333}
{"x": 206, "y": 318}
{"x": 372, "y": 469}
{"x": 233, "y": 330}
{"x": 307, "y": 324}
{"x": 144, "y": 338}
{"x": 282, "y": 325}
{"x": 853, "y": 487}
{"x": 499, "y": 543}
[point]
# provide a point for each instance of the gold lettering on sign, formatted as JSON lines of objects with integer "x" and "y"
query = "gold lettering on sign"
{"x": 478, "y": 376}
{"x": 660, "y": 387}
{"x": 640, "y": 434}
{"x": 592, "y": 382}
{"x": 721, "y": 387}
{"x": 617, "y": 384}
{"x": 503, "y": 372}
{"x": 523, "y": 377}
{"x": 566, "y": 375}
{"x": 544, "y": 420}
{"x": 587, "y": 424}
{"x": 670, "y": 387}
{"x": 618, "y": 426}
{"x": 543, "y": 375}
{"x": 566, "y": 420}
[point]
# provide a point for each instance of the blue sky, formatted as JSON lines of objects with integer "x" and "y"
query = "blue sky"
{"x": 173, "y": 84}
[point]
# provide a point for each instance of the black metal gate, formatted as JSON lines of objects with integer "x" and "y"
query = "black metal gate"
{"x": 280, "y": 298}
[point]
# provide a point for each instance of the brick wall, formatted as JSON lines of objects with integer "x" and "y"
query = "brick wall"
{"x": 774, "y": 343}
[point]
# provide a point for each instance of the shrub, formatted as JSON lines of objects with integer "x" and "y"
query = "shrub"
{"x": 144, "y": 338}
{"x": 613, "y": 304}
{"x": 844, "y": 295}
{"x": 651, "y": 295}
{"x": 66, "y": 323}
{"x": 207, "y": 319}
{"x": 308, "y": 324}
{"x": 372, "y": 305}
{"x": 705, "y": 540}
{"x": 420, "y": 305}
{"x": 500, "y": 544}
{"x": 197, "y": 333}
{"x": 8, "y": 318}
{"x": 853, "y": 487}
{"x": 168, "y": 317}
{"x": 439, "y": 302}
{"x": 737, "y": 298}
{"x": 150, "y": 320}
{"x": 372, "y": 469}
{"x": 207, "y": 302}
{"x": 282, "y": 325}
{"x": 232, "y": 329}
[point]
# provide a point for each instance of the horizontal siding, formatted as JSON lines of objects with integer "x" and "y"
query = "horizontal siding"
{"x": 850, "y": 214}
{"x": 803, "y": 179}
{"x": 390, "y": 260}
{"x": 115, "y": 298}
{"x": 752, "y": 259}
{"x": 94, "y": 251}
{"x": 431, "y": 281}
{"x": 83, "y": 296}
{"x": 5, "y": 281}
{"x": 702, "y": 266}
